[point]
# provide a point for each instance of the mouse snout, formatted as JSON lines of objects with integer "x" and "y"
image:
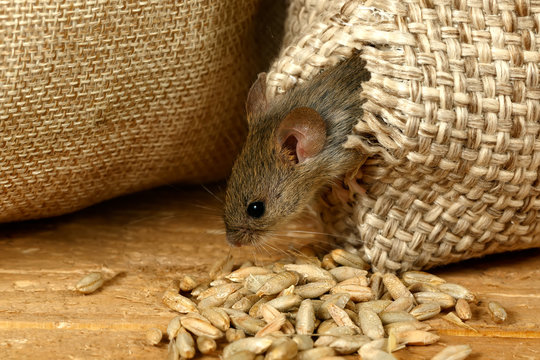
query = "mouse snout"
{"x": 232, "y": 240}
{"x": 240, "y": 236}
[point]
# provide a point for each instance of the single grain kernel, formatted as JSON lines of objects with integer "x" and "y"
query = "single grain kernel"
{"x": 371, "y": 324}
{"x": 497, "y": 312}
{"x": 454, "y": 352}
{"x": 153, "y": 336}
{"x": 90, "y": 283}
{"x": 206, "y": 345}
{"x": 463, "y": 309}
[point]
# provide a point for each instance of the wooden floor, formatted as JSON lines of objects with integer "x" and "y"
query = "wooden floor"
{"x": 153, "y": 237}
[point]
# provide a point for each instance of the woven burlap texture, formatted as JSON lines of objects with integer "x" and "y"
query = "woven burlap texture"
{"x": 99, "y": 99}
{"x": 450, "y": 127}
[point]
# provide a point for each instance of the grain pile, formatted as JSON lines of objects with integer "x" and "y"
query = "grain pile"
{"x": 311, "y": 307}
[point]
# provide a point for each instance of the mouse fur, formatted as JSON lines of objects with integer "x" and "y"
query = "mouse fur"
{"x": 265, "y": 170}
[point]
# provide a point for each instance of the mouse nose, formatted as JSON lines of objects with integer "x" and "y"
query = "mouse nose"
{"x": 233, "y": 239}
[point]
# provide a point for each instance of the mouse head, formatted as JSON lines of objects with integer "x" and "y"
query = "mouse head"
{"x": 274, "y": 177}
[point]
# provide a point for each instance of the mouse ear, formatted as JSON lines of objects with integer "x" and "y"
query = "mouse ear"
{"x": 301, "y": 135}
{"x": 256, "y": 100}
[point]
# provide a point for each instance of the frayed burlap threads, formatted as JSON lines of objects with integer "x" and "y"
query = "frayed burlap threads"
{"x": 99, "y": 99}
{"x": 451, "y": 124}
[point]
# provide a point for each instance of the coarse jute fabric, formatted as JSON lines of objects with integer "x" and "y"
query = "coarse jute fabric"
{"x": 104, "y": 98}
{"x": 450, "y": 126}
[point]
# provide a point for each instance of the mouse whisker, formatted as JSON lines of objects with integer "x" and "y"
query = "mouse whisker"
{"x": 216, "y": 210}
{"x": 317, "y": 233}
{"x": 211, "y": 193}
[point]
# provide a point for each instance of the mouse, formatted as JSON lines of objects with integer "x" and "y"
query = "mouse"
{"x": 293, "y": 150}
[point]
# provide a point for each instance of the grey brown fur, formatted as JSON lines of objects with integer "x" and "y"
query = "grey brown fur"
{"x": 260, "y": 174}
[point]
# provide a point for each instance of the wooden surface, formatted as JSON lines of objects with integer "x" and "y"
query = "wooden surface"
{"x": 153, "y": 237}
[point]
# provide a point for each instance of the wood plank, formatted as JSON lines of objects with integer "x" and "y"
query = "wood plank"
{"x": 151, "y": 238}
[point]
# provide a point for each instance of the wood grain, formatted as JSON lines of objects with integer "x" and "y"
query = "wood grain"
{"x": 150, "y": 238}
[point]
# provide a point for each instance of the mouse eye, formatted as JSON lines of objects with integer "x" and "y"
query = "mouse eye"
{"x": 255, "y": 209}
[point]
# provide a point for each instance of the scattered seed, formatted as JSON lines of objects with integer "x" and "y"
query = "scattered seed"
{"x": 375, "y": 354}
{"x": 255, "y": 309}
{"x": 185, "y": 344}
{"x": 206, "y": 345}
{"x": 252, "y": 344}
{"x": 153, "y": 336}
{"x": 316, "y": 353}
{"x": 219, "y": 282}
{"x": 173, "y": 327}
{"x": 334, "y": 297}
{"x": 454, "y": 319}
{"x": 356, "y": 280}
{"x": 201, "y": 327}
{"x": 178, "y": 302}
{"x": 242, "y": 355}
{"x": 245, "y": 303}
{"x": 348, "y": 344}
{"x": 217, "y": 317}
{"x": 454, "y": 352}
{"x": 200, "y": 288}
{"x": 406, "y": 325}
{"x": 284, "y": 303}
{"x": 304, "y": 342}
{"x": 371, "y": 324}
{"x": 310, "y": 273}
{"x": 278, "y": 282}
{"x": 421, "y": 287}
{"x": 188, "y": 283}
{"x": 376, "y": 306}
{"x": 340, "y": 316}
{"x": 357, "y": 293}
{"x": 254, "y": 282}
{"x": 425, "y": 311}
{"x": 325, "y": 326}
{"x": 463, "y": 309}
{"x": 444, "y": 300}
{"x": 241, "y": 274}
{"x": 377, "y": 285}
{"x": 457, "y": 291}
{"x": 287, "y": 291}
{"x": 243, "y": 321}
{"x": 90, "y": 283}
{"x": 404, "y": 303}
{"x": 416, "y": 337}
{"x": 328, "y": 262}
{"x": 305, "y": 318}
{"x": 172, "y": 351}
{"x": 343, "y": 273}
{"x": 338, "y": 299}
{"x": 346, "y": 258}
{"x": 497, "y": 312}
{"x": 234, "y": 334}
{"x": 220, "y": 291}
{"x": 268, "y": 312}
{"x": 282, "y": 349}
{"x": 272, "y": 326}
{"x": 314, "y": 289}
{"x": 395, "y": 287}
{"x": 388, "y": 317}
{"x": 413, "y": 277}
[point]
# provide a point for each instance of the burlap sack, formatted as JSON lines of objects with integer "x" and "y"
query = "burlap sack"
{"x": 451, "y": 124}
{"x": 98, "y": 99}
